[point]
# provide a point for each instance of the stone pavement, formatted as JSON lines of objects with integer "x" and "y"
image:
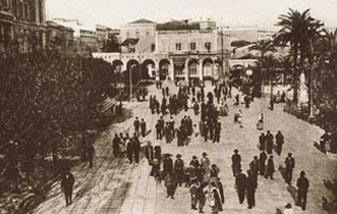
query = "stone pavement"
{"x": 114, "y": 186}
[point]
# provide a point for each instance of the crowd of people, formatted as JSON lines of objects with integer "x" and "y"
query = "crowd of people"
{"x": 201, "y": 176}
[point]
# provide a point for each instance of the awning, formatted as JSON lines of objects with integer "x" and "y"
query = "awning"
{"x": 180, "y": 61}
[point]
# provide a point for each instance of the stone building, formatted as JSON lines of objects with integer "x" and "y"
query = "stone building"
{"x": 22, "y": 25}
{"x": 60, "y": 37}
{"x": 164, "y": 52}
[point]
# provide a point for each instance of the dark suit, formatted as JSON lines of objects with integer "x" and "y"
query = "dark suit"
{"x": 67, "y": 183}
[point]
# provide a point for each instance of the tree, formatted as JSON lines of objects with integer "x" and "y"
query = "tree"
{"x": 297, "y": 30}
{"x": 263, "y": 46}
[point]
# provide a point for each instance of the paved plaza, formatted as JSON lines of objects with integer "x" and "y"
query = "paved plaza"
{"x": 115, "y": 186}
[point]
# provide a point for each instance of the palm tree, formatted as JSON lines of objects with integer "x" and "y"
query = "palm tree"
{"x": 263, "y": 46}
{"x": 298, "y": 30}
{"x": 329, "y": 42}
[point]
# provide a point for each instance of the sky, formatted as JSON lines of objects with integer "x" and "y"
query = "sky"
{"x": 261, "y": 13}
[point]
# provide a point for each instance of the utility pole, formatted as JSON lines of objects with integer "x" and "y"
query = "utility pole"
{"x": 222, "y": 59}
{"x": 130, "y": 80}
{"x": 311, "y": 83}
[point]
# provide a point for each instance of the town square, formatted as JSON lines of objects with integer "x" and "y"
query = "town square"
{"x": 198, "y": 111}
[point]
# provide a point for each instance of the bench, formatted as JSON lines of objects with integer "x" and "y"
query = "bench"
{"x": 109, "y": 104}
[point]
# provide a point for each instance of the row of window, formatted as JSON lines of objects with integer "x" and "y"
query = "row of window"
{"x": 193, "y": 46}
{"x": 22, "y": 10}
{"x": 137, "y": 34}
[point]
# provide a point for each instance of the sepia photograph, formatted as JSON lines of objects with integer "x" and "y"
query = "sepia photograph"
{"x": 168, "y": 107}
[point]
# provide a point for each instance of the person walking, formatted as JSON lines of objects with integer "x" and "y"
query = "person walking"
{"x": 170, "y": 185}
{"x": 241, "y": 184}
{"x": 254, "y": 166}
{"x": 251, "y": 185}
{"x": 168, "y": 165}
{"x": 279, "y": 142}
{"x": 149, "y": 152}
{"x": 262, "y": 142}
{"x": 201, "y": 196}
{"x": 143, "y": 127}
{"x": 136, "y": 148}
{"x": 116, "y": 141}
{"x": 136, "y": 125}
{"x": 269, "y": 142}
{"x": 289, "y": 167}
{"x": 157, "y": 152}
{"x": 214, "y": 198}
{"x": 236, "y": 162}
{"x": 220, "y": 188}
{"x": 270, "y": 168}
{"x": 129, "y": 149}
{"x": 90, "y": 154}
{"x": 303, "y": 186}
{"x": 263, "y": 158}
{"x": 179, "y": 170}
{"x": 67, "y": 183}
{"x": 193, "y": 192}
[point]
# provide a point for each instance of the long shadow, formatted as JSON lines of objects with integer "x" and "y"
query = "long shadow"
{"x": 282, "y": 171}
{"x": 318, "y": 147}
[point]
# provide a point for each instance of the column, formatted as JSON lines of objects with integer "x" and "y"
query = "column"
{"x": 37, "y": 11}
{"x": 201, "y": 72}
{"x": 156, "y": 68}
{"x": 171, "y": 70}
{"x": 186, "y": 70}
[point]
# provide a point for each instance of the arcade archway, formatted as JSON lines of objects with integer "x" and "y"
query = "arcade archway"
{"x": 164, "y": 66}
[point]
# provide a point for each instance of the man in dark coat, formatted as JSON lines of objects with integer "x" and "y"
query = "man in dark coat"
{"x": 251, "y": 186}
{"x": 262, "y": 142}
{"x": 157, "y": 152}
{"x": 67, "y": 182}
{"x": 136, "y": 125}
{"x": 116, "y": 141}
{"x": 241, "y": 184}
{"x": 236, "y": 162}
{"x": 168, "y": 165}
{"x": 201, "y": 196}
{"x": 269, "y": 142}
{"x": 303, "y": 186}
{"x": 279, "y": 142}
{"x": 254, "y": 167}
{"x": 270, "y": 168}
{"x": 136, "y": 148}
{"x": 179, "y": 170}
{"x": 217, "y": 132}
{"x": 143, "y": 127}
{"x": 220, "y": 187}
{"x": 290, "y": 165}
{"x": 263, "y": 158}
{"x": 90, "y": 153}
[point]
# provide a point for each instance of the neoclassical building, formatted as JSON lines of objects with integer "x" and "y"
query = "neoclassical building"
{"x": 22, "y": 23}
{"x": 170, "y": 53}
{"x": 195, "y": 52}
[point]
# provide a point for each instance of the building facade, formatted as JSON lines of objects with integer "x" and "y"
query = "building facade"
{"x": 60, "y": 37}
{"x": 174, "y": 54}
{"x": 23, "y": 25}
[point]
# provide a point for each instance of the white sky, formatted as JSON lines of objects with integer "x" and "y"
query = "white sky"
{"x": 262, "y": 13}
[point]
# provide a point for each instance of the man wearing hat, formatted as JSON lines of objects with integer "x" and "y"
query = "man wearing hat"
{"x": 236, "y": 162}
{"x": 290, "y": 165}
{"x": 168, "y": 165}
{"x": 67, "y": 183}
{"x": 270, "y": 168}
{"x": 179, "y": 169}
{"x": 240, "y": 183}
{"x": 222, "y": 196}
{"x": 205, "y": 163}
{"x": 303, "y": 186}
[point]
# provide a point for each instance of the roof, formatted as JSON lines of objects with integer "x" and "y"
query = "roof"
{"x": 142, "y": 21}
{"x": 130, "y": 41}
